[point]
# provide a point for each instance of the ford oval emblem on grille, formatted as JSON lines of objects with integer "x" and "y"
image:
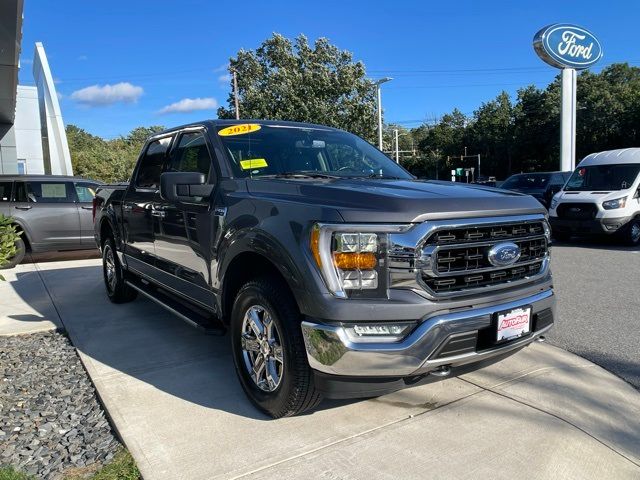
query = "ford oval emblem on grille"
{"x": 504, "y": 254}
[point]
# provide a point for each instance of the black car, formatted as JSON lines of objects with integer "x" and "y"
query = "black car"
{"x": 542, "y": 186}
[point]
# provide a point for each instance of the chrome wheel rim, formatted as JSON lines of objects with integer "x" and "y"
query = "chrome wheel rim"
{"x": 110, "y": 269}
{"x": 635, "y": 232}
{"x": 262, "y": 349}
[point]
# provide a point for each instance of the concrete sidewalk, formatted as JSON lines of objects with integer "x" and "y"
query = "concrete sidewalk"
{"x": 173, "y": 396}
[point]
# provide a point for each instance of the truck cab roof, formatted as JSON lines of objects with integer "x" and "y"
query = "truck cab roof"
{"x": 610, "y": 157}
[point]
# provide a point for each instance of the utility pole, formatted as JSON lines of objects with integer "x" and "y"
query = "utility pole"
{"x": 379, "y": 104}
{"x": 395, "y": 130}
{"x": 235, "y": 93}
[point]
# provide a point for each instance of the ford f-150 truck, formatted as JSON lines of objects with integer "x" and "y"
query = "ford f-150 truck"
{"x": 336, "y": 272}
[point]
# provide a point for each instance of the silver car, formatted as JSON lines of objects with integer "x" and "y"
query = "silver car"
{"x": 53, "y": 212}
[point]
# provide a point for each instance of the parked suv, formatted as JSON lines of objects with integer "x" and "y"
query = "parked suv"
{"x": 541, "y": 185}
{"x": 52, "y": 212}
{"x": 336, "y": 272}
{"x": 601, "y": 197}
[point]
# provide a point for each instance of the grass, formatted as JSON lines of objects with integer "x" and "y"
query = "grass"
{"x": 122, "y": 467}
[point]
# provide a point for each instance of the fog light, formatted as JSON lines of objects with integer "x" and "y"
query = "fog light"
{"x": 379, "y": 329}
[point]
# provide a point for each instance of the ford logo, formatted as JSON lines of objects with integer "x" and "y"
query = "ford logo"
{"x": 504, "y": 254}
{"x": 563, "y": 45}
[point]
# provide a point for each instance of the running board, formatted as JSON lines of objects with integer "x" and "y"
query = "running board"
{"x": 179, "y": 310}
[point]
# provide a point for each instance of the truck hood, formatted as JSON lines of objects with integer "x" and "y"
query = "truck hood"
{"x": 396, "y": 201}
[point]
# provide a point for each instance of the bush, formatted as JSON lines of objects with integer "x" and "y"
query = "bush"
{"x": 8, "y": 238}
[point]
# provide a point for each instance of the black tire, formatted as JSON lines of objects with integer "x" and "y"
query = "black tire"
{"x": 561, "y": 236}
{"x": 632, "y": 233}
{"x": 21, "y": 250}
{"x": 117, "y": 290}
{"x": 295, "y": 391}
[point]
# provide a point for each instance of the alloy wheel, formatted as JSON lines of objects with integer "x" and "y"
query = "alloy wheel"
{"x": 261, "y": 348}
{"x": 110, "y": 269}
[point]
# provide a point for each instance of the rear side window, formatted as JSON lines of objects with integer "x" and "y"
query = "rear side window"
{"x": 50, "y": 192}
{"x": 5, "y": 191}
{"x": 151, "y": 163}
{"x": 85, "y": 191}
{"x": 191, "y": 154}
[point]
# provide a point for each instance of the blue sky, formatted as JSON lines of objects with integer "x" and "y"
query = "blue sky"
{"x": 122, "y": 64}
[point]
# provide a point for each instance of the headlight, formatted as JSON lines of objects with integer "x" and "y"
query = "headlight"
{"x": 613, "y": 204}
{"x": 351, "y": 257}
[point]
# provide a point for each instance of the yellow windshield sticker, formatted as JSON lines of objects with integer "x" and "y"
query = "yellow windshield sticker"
{"x": 240, "y": 129}
{"x": 253, "y": 163}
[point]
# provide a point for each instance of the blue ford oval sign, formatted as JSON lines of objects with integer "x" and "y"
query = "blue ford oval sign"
{"x": 504, "y": 254}
{"x": 564, "y": 45}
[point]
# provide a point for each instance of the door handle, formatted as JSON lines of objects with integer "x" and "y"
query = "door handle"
{"x": 127, "y": 208}
{"x": 87, "y": 207}
{"x": 25, "y": 207}
{"x": 156, "y": 213}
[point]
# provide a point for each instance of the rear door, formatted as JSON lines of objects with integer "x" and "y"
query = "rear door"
{"x": 184, "y": 231}
{"x": 6, "y": 187}
{"x": 49, "y": 210}
{"x": 138, "y": 207}
{"x": 85, "y": 191}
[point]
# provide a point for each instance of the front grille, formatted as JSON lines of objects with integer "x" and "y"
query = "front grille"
{"x": 577, "y": 211}
{"x": 457, "y": 283}
{"x": 460, "y": 262}
{"x": 469, "y": 234}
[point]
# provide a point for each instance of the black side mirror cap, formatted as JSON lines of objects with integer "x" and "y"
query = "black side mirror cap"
{"x": 187, "y": 187}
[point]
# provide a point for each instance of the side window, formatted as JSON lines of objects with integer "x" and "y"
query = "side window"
{"x": 5, "y": 191}
{"x": 557, "y": 179}
{"x": 50, "y": 192}
{"x": 85, "y": 191}
{"x": 191, "y": 154}
{"x": 151, "y": 163}
{"x": 20, "y": 194}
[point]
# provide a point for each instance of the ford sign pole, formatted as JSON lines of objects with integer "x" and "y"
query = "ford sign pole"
{"x": 570, "y": 48}
{"x": 568, "y": 121}
{"x": 379, "y": 105}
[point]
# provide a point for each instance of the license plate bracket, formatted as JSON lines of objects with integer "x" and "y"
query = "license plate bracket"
{"x": 513, "y": 324}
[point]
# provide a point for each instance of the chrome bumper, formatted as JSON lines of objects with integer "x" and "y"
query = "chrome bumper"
{"x": 329, "y": 349}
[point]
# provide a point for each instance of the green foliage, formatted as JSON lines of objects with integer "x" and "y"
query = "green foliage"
{"x": 106, "y": 160}
{"x": 525, "y": 135}
{"x": 285, "y": 80}
{"x": 8, "y": 238}
{"x": 8, "y": 473}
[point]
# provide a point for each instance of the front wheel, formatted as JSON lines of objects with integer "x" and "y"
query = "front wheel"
{"x": 268, "y": 349}
{"x": 632, "y": 234}
{"x": 117, "y": 290}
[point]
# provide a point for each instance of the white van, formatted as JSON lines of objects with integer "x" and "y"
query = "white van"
{"x": 602, "y": 196}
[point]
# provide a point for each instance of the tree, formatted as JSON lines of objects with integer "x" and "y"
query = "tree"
{"x": 285, "y": 80}
{"x": 106, "y": 160}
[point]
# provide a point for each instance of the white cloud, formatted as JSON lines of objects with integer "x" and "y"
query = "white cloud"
{"x": 26, "y": 61}
{"x": 190, "y": 105}
{"x": 83, "y": 58}
{"x": 221, "y": 68}
{"x": 99, "y": 95}
{"x": 224, "y": 78}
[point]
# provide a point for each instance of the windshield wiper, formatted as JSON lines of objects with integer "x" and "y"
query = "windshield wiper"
{"x": 383, "y": 176}
{"x": 300, "y": 174}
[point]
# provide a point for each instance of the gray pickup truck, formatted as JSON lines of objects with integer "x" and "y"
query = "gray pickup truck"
{"x": 336, "y": 272}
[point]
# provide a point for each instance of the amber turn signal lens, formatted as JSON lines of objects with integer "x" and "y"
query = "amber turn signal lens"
{"x": 315, "y": 245}
{"x": 355, "y": 261}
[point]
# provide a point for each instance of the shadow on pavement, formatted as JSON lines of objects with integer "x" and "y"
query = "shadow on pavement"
{"x": 61, "y": 256}
{"x": 602, "y": 243}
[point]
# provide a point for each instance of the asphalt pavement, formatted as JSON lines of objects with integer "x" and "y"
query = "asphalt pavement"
{"x": 598, "y": 290}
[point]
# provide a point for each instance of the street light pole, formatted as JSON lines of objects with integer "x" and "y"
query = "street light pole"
{"x": 379, "y": 106}
{"x": 397, "y": 146}
{"x": 235, "y": 93}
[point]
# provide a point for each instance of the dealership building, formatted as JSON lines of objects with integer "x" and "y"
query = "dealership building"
{"x": 32, "y": 135}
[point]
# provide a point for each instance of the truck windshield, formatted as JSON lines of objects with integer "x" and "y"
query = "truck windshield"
{"x": 258, "y": 150}
{"x": 527, "y": 181}
{"x": 603, "y": 177}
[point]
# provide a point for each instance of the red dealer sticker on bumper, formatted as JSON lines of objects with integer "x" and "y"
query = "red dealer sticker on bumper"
{"x": 513, "y": 323}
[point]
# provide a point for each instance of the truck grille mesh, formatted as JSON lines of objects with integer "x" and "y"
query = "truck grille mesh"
{"x": 461, "y": 263}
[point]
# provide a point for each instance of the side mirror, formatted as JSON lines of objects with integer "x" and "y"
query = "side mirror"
{"x": 187, "y": 187}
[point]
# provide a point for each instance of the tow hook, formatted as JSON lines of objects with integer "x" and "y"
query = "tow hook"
{"x": 541, "y": 339}
{"x": 442, "y": 371}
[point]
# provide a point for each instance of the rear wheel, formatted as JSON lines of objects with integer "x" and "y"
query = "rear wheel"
{"x": 632, "y": 234}
{"x": 21, "y": 250}
{"x": 268, "y": 349}
{"x": 117, "y": 290}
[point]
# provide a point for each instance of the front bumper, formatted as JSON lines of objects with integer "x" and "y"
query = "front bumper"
{"x": 594, "y": 226}
{"x": 451, "y": 339}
